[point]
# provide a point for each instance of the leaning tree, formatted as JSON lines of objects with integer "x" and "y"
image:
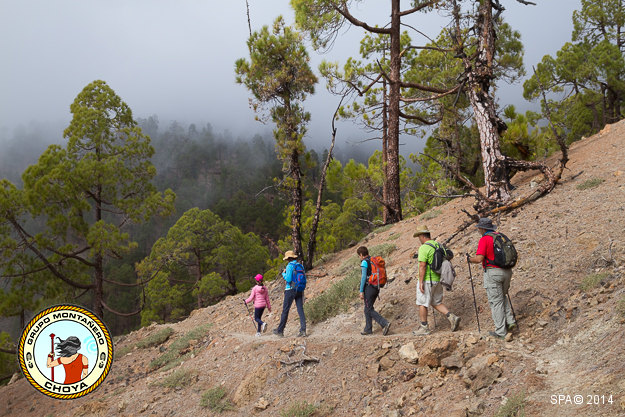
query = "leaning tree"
{"x": 278, "y": 75}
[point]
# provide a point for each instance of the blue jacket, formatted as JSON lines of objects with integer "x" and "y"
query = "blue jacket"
{"x": 288, "y": 274}
{"x": 364, "y": 267}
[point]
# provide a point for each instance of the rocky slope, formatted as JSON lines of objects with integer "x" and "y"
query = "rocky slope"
{"x": 567, "y": 292}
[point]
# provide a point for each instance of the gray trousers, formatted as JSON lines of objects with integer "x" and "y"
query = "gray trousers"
{"x": 497, "y": 284}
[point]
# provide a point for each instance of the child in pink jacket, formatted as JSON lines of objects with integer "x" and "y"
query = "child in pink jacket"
{"x": 260, "y": 296}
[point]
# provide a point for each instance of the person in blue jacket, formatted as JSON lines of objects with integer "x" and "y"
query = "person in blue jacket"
{"x": 369, "y": 293}
{"x": 291, "y": 295}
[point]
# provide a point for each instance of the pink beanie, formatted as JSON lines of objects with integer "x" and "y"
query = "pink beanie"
{"x": 258, "y": 278}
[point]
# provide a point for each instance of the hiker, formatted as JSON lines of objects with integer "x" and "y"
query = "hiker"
{"x": 260, "y": 296}
{"x": 369, "y": 293}
{"x": 496, "y": 280}
{"x": 76, "y": 365}
{"x": 429, "y": 288}
{"x": 291, "y": 294}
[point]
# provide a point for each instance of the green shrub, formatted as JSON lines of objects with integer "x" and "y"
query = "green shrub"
{"x": 178, "y": 379}
{"x": 394, "y": 236}
{"x": 121, "y": 352}
{"x": 592, "y": 281}
{"x": 382, "y": 229}
{"x": 155, "y": 339}
{"x": 432, "y": 214}
{"x": 214, "y": 400}
{"x": 300, "y": 409}
{"x": 339, "y": 296}
{"x": 8, "y": 364}
{"x": 590, "y": 183}
{"x": 171, "y": 357}
{"x": 620, "y": 306}
{"x": 514, "y": 407}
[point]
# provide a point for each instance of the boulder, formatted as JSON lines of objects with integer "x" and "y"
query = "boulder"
{"x": 408, "y": 353}
{"x": 436, "y": 350}
{"x": 386, "y": 363}
{"x": 373, "y": 370}
{"x": 454, "y": 361}
{"x": 482, "y": 372}
{"x": 262, "y": 404}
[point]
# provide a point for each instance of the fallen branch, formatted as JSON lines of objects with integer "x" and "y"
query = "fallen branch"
{"x": 298, "y": 363}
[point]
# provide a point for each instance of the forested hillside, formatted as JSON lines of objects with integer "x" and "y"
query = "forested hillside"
{"x": 570, "y": 307}
{"x": 150, "y": 225}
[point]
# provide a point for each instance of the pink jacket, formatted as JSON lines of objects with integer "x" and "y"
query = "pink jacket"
{"x": 260, "y": 296}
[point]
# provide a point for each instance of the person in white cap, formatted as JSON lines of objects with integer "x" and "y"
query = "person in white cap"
{"x": 290, "y": 295}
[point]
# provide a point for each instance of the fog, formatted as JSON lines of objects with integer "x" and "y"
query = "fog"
{"x": 176, "y": 60}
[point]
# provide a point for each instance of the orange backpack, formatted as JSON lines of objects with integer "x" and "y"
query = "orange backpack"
{"x": 378, "y": 271}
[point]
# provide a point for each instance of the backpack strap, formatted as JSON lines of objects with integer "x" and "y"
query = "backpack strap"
{"x": 435, "y": 248}
{"x": 492, "y": 234}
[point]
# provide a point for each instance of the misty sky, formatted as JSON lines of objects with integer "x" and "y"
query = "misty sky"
{"x": 176, "y": 58}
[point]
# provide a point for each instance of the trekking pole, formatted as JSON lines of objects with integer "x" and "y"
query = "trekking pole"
{"x": 513, "y": 315}
{"x": 477, "y": 316}
{"x": 250, "y": 314}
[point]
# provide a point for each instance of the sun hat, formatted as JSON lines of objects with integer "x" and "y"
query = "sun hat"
{"x": 421, "y": 230}
{"x": 485, "y": 223}
{"x": 289, "y": 255}
{"x": 258, "y": 278}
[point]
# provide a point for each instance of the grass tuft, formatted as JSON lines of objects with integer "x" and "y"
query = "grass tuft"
{"x": 590, "y": 183}
{"x": 338, "y": 297}
{"x": 214, "y": 399}
{"x": 592, "y": 281}
{"x": 300, "y": 409}
{"x": 171, "y": 357}
{"x": 178, "y": 379}
{"x": 620, "y": 307}
{"x": 432, "y": 214}
{"x": 155, "y": 339}
{"x": 514, "y": 407}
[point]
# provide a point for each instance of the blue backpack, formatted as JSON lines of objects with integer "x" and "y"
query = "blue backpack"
{"x": 298, "y": 278}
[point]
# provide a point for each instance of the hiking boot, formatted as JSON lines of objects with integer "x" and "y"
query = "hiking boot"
{"x": 257, "y": 334}
{"x": 365, "y": 333}
{"x": 263, "y": 327}
{"x": 454, "y": 321}
{"x": 496, "y": 336}
{"x": 513, "y": 328}
{"x": 302, "y": 333}
{"x": 278, "y": 333}
{"x": 386, "y": 328}
{"x": 422, "y": 330}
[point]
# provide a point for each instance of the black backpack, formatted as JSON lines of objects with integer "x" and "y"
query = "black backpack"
{"x": 440, "y": 254}
{"x": 505, "y": 253}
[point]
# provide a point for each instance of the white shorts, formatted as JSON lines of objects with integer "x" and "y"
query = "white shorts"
{"x": 433, "y": 294}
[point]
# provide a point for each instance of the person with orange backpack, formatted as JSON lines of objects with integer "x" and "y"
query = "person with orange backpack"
{"x": 429, "y": 288}
{"x": 372, "y": 279}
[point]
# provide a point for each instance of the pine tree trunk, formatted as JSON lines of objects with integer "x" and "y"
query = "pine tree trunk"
{"x": 198, "y": 277}
{"x": 385, "y": 213}
{"x": 393, "y": 190}
{"x": 296, "y": 199}
{"x": 98, "y": 294}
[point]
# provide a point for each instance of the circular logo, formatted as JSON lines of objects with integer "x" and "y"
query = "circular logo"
{"x": 65, "y": 352}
